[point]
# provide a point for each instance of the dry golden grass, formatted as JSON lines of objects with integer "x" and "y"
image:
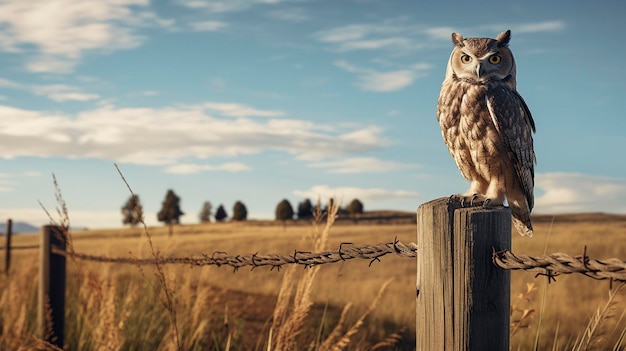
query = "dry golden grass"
{"x": 113, "y": 307}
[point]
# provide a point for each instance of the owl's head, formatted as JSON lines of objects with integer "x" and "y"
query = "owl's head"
{"x": 482, "y": 59}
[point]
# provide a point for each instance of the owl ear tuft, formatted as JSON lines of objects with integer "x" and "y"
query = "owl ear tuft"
{"x": 457, "y": 40}
{"x": 503, "y": 38}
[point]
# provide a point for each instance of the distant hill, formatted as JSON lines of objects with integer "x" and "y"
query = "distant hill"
{"x": 19, "y": 227}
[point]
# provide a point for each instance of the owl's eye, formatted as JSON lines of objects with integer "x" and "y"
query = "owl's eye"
{"x": 466, "y": 58}
{"x": 495, "y": 59}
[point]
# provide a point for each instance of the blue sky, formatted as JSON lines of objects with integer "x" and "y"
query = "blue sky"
{"x": 260, "y": 100}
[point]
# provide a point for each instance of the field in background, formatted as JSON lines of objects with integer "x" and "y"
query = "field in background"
{"x": 207, "y": 295}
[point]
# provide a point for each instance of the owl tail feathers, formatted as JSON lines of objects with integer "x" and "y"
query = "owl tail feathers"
{"x": 521, "y": 222}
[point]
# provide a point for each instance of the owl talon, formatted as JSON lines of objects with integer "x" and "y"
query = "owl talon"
{"x": 474, "y": 197}
{"x": 486, "y": 203}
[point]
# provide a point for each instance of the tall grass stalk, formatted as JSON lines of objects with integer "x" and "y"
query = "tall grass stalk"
{"x": 167, "y": 298}
{"x": 594, "y": 333}
{"x": 288, "y": 323}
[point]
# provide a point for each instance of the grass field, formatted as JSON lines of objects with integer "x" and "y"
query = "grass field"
{"x": 123, "y": 307}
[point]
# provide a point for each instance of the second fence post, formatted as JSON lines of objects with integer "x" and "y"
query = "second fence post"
{"x": 51, "y": 304}
{"x": 7, "y": 257}
{"x": 463, "y": 299}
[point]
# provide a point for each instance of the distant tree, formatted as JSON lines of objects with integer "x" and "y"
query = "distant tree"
{"x": 205, "y": 212}
{"x": 355, "y": 207}
{"x": 284, "y": 211}
{"x": 220, "y": 214}
{"x": 305, "y": 209}
{"x": 170, "y": 210}
{"x": 132, "y": 211}
{"x": 240, "y": 212}
{"x": 331, "y": 202}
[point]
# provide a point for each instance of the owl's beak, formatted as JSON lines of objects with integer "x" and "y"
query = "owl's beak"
{"x": 478, "y": 70}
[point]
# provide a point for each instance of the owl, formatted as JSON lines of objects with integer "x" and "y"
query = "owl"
{"x": 487, "y": 126}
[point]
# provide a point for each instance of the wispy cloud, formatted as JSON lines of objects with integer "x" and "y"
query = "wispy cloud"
{"x": 61, "y": 31}
{"x": 442, "y": 33}
{"x": 348, "y": 193}
{"x": 189, "y": 168}
{"x": 294, "y": 14}
{"x": 163, "y": 136}
{"x": 56, "y": 92}
{"x": 219, "y": 6}
{"x": 60, "y": 92}
{"x": 399, "y": 35}
{"x": 8, "y": 181}
{"x": 538, "y": 27}
{"x": 369, "y": 37}
{"x": 372, "y": 80}
{"x": 576, "y": 192}
{"x": 361, "y": 165}
{"x": 520, "y": 28}
{"x": 207, "y": 26}
{"x": 238, "y": 110}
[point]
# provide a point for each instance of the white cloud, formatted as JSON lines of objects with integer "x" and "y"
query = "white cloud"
{"x": 370, "y": 37}
{"x": 61, "y": 31}
{"x": 397, "y": 35}
{"x": 372, "y": 80}
{"x": 5, "y": 83}
{"x": 51, "y": 64}
{"x": 440, "y": 33}
{"x": 238, "y": 110}
{"x": 386, "y": 81}
{"x": 363, "y": 194}
{"x": 548, "y": 26}
{"x": 343, "y": 34}
{"x": 56, "y": 92}
{"x": 220, "y": 6}
{"x": 361, "y": 165}
{"x": 576, "y": 192}
{"x": 373, "y": 44}
{"x": 187, "y": 168}
{"x": 208, "y": 26}
{"x": 289, "y": 14}
{"x": 59, "y": 93}
{"x": 162, "y": 136}
{"x": 8, "y": 181}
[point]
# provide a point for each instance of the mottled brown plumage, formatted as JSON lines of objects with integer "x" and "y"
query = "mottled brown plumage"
{"x": 487, "y": 126}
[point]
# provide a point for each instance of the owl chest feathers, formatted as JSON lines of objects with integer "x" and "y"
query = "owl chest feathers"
{"x": 469, "y": 131}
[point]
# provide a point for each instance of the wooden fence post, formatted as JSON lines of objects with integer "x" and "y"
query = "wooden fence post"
{"x": 7, "y": 257}
{"x": 51, "y": 302}
{"x": 463, "y": 299}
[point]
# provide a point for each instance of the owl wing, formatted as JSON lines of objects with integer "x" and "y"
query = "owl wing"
{"x": 515, "y": 124}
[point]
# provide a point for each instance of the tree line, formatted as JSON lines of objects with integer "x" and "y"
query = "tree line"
{"x": 170, "y": 212}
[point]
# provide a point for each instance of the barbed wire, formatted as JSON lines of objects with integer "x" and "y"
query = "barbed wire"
{"x": 560, "y": 263}
{"x": 548, "y": 265}
{"x": 345, "y": 252}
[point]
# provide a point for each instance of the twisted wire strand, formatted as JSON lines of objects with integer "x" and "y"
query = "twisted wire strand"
{"x": 345, "y": 251}
{"x": 560, "y": 263}
{"x": 549, "y": 265}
